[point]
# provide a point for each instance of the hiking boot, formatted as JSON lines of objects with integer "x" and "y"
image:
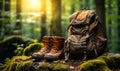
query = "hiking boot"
{"x": 47, "y": 41}
{"x": 57, "y": 49}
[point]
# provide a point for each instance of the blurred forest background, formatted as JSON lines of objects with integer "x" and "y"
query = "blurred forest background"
{"x": 38, "y": 18}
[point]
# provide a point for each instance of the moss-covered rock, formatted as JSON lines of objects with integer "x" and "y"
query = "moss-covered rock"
{"x": 113, "y": 62}
{"x": 13, "y": 45}
{"x": 15, "y": 39}
{"x": 19, "y": 63}
{"x": 59, "y": 67}
{"x": 94, "y": 65}
{"x": 24, "y": 63}
{"x": 34, "y": 47}
{"x": 45, "y": 66}
{"x": 102, "y": 63}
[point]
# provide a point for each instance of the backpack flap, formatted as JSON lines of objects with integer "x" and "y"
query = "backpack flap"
{"x": 80, "y": 23}
{"x": 94, "y": 24}
{"x": 77, "y": 18}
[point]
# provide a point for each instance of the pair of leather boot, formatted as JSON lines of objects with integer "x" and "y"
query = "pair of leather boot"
{"x": 52, "y": 50}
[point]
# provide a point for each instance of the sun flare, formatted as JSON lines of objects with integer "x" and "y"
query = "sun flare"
{"x": 31, "y": 5}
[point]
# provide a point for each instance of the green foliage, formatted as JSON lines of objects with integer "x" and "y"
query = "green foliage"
{"x": 19, "y": 50}
{"x": 32, "y": 48}
{"x": 94, "y": 65}
{"x": 7, "y": 60}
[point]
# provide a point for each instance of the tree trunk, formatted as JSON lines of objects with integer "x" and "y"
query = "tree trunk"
{"x": 43, "y": 19}
{"x": 72, "y": 8}
{"x": 1, "y": 20}
{"x": 18, "y": 25}
{"x": 118, "y": 23}
{"x": 7, "y": 17}
{"x": 87, "y": 4}
{"x": 109, "y": 21}
{"x": 55, "y": 27}
{"x": 100, "y": 9}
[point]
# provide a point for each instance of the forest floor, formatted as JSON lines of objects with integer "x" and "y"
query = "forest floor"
{"x": 73, "y": 65}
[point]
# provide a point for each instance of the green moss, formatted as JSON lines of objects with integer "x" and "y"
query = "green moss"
{"x": 2, "y": 67}
{"x": 45, "y": 66}
{"x": 113, "y": 62}
{"x": 34, "y": 47}
{"x": 94, "y": 65}
{"x": 102, "y": 63}
{"x": 12, "y": 39}
{"x": 116, "y": 62}
{"x": 8, "y": 45}
{"x": 107, "y": 60}
{"x": 58, "y": 67}
{"x": 19, "y": 63}
{"x": 16, "y": 38}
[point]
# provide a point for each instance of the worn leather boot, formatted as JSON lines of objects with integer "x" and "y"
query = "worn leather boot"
{"x": 47, "y": 41}
{"x": 57, "y": 49}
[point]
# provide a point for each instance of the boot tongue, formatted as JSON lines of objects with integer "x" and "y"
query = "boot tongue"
{"x": 47, "y": 46}
{"x": 58, "y": 43}
{"x": 55, "y": 47}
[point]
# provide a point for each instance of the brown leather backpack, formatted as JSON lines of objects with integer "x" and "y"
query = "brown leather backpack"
{"x": 85, "y": 36}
